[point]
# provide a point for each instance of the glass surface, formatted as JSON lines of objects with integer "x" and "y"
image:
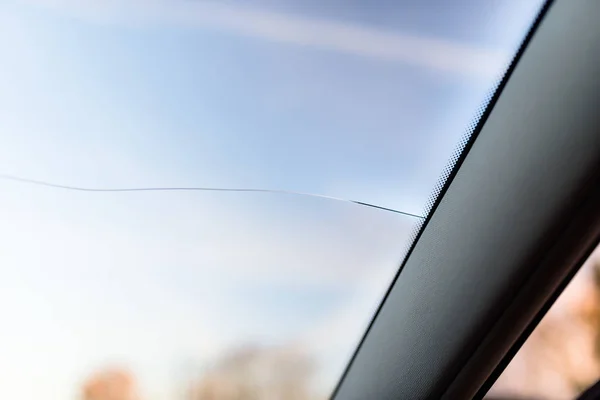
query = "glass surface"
{"x": 220, "y": 295}
{"x": 561, "y": 358}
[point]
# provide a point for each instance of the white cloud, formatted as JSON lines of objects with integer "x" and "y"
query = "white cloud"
{"x": 433, "y": 53}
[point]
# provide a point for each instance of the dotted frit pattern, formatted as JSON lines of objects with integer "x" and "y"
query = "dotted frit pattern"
{"x": 478, "y": 120}
{"x": 469, "y": 135}
{"x": 452, "y": 163}
{"x": 460, "y": 148}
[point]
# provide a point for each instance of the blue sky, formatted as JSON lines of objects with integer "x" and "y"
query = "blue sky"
{"x": 333, "y": 97}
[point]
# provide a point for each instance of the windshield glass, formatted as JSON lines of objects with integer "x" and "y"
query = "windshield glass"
{"x": 189, "y": 294}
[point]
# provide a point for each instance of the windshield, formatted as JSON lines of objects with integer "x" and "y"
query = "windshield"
{"x": 195, "y": 294}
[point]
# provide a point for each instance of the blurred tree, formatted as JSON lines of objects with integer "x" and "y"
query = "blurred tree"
{"x": 590, "y": 313}
{"x": 254, "y": 373}
{"x": 592, "y": 308}
{"x": 110, "y": 384}
{"x": 561, "y": 358}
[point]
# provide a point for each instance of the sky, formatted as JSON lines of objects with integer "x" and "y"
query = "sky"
{"x": 364, "y": 101}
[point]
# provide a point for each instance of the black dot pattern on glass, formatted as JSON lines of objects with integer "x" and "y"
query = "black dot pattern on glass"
{"x": 477, "y": 121}
{"x": 462, "y": 144}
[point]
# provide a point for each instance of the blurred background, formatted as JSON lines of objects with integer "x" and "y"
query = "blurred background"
{"x": 558, "y": 361}
{"x": 561, "y": 358}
